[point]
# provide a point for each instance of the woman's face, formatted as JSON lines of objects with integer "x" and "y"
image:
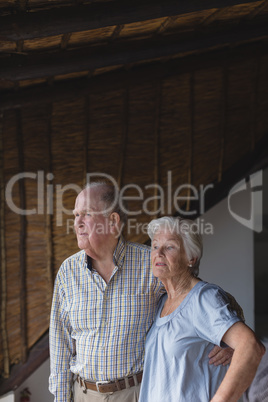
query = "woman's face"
{"x": 168, "y": 255}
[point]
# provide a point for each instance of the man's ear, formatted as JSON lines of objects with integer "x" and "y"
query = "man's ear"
{"x": 114, "y": 219}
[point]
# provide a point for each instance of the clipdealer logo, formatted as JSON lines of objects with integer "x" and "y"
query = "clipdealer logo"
{"x": 256, "y": 195}
{"x": 50, "y": 199}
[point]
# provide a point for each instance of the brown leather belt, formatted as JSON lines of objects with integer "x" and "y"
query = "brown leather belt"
{"x": 111, "y": 386}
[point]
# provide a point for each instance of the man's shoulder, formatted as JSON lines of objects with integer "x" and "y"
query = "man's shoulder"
{"x": 76, "y": 258}
{"x": 138, "y": 247}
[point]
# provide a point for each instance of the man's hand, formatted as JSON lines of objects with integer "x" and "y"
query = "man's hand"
{"x": 220, "y": 356}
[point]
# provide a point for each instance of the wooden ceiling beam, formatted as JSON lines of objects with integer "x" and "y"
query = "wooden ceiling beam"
{"x": 57, "y": 91}
{"x": 63, "y": 20}
{"x": 22, "y": 67}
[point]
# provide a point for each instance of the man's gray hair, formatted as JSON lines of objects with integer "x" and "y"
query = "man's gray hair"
{"x": 185, "y": 229}
{"x": 110, "y": 198}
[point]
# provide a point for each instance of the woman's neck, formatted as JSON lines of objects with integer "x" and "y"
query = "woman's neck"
{"x": 177, "y": 291}
{"x": 178, "y": 286}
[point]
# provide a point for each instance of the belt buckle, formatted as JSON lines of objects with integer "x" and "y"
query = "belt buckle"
{"x": 100, "y": 383}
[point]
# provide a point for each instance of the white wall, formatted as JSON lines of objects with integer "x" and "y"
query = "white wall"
{"x": 38, "y": 385}
{"x": 10, "y": 397}
{"x": 228, "y": 258}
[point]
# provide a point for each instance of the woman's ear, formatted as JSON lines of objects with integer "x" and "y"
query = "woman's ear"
{"x": 192, "y": 262}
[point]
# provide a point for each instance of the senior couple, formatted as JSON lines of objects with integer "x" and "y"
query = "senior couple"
{"x": 114, "y": 299}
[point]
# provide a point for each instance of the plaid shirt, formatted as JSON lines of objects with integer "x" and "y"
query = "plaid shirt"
{"x": 98, "y": 329}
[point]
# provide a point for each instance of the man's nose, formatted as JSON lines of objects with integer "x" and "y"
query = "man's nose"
{"x": 78, "y": 221}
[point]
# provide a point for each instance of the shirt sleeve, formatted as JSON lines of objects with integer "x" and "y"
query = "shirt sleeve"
{"x": 213, "y": 314}
{"x": 60, "y": 344}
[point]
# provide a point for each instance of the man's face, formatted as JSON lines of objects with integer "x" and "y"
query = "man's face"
{"x": 92, "y": 228}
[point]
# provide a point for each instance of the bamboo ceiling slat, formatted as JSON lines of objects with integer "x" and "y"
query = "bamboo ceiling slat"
{"x": 175, "y": 137}
{"x": 191, "y": 138}
{"x": 141, "y": 29}
{"x": 189, "y": 21}
{"x": 100, "y": 71}
{"x": 4, "y": 355}
{"x": 49, "y": 221}
{"x": 22, "y": 238}
{"x": 232, "y": 14}
{"x": 71, "y": 75}
{"x": 86, "y": 163}
{"x": 36, "y": 150}
{"x": 67, "y": 134}
{"x": 7, "y": 46}
{"x": 125, "y": 125}
{"x": 208, "y": 93}
{"x": 140, "y": 151}
{"x": 27, "y": 83}
{"x": 48, "y": 43}
{"x": 92, "y": 36}
{"x": 12, "y": 235}
{"x": 106, "y": 132}
{"x": 223, "y": 119}
{"x": 261, "y": 8}
{"x": 240, "y": 108}
{"x": 157, "y": 119}
{"x": 43, "y": 3}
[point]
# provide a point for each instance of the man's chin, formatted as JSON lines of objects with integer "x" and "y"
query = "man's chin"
{"x": 82, "y": 245}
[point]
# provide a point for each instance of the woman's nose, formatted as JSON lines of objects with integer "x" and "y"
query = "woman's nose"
{"x": 160, "y": 251}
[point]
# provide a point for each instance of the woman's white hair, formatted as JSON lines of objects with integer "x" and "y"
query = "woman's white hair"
{"x": 185, "y": 229}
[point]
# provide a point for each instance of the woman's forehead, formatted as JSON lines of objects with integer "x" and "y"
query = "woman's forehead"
{"x": 165, "y": 234}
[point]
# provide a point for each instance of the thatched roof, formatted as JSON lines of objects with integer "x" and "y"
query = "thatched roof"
{"x": 134, "y": 90}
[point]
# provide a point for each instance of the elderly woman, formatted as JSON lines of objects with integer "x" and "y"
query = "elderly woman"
{"x": 192, "y": 316}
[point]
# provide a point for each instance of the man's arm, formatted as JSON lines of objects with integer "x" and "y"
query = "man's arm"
{"x": 220, "y": 355}
{"x": 60, "y": 345}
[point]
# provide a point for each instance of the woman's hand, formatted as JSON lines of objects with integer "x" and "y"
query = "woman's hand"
{"x": 220, "y": 356}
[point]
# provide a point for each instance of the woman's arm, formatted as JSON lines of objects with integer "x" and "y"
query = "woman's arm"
{"x": 248, "y": 351}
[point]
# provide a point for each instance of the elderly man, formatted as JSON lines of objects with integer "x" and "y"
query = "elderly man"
{"x": 104, "y": 303}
